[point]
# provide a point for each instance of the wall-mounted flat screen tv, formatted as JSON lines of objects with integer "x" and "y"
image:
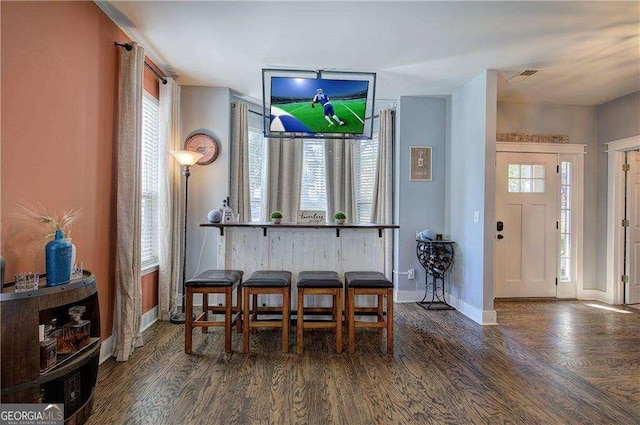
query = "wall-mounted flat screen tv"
{"x": 318, "y": 104}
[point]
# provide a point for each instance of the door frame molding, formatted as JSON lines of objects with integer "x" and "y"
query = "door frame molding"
{"x": 573, "y": 153}
{"x": 615, "y": 213}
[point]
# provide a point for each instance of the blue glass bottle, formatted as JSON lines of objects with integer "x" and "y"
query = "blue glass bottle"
{"x": 58, "y": 259}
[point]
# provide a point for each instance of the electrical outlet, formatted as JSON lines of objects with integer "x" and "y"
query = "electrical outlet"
{"x": 418, "y": 234}
{"x": 411, "y": 274}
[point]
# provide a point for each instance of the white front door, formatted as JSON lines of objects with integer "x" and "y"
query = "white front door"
{"x": 527, "y": 212}
{"x": 633, "y": 235}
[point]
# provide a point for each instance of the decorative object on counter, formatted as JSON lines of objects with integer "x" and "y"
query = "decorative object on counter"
{"x": 439, "y": 236}
{"x": 186, "y": 159}
{"x": 340, "y": 217}
{"x": 48, "y": 348}
{"x": 214, "y": 216}
{"x": 48, "y": 224}
{"x": 25, "y": 282}
{"x": 311, "y": 217}
{"x": 427, "y": 235}
{"x": 77, "y": 270}
{"x": 227, "y": 212}
{"x": 203, "y": 144}
{"x": 58, "y": 260}
{"x": 76, "y": 332}
{"x": 276, "y": 217}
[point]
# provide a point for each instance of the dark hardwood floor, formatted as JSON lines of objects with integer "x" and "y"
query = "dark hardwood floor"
{"x": 548, "y": 362}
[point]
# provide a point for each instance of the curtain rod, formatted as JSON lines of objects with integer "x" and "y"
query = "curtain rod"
{"x": 156, "y": 73}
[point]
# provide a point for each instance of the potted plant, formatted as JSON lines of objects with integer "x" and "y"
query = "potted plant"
{"x": 276, "y": 217}
{"x": 340, "y": 217}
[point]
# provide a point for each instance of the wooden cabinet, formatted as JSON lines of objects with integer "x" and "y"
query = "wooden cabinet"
{"x": 72, "y": 380}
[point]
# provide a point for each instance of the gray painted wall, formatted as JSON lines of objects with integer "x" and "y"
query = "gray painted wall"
{"x": 419, "y": 205}
{"x": 580, "y": 124}
{"x": 208, "y": 109}
{"x": 471, "y": 160}
{"x": 617, "y": 120}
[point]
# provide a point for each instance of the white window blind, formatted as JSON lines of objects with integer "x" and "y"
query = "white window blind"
{"x": 366, "y": 164}
{"x": 313, "y": 194}
{"x": 150, "y": 178}
{"x": 256, "y": 170}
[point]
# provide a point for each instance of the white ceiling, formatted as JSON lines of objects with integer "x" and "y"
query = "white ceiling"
{"x": 587, "y": 53}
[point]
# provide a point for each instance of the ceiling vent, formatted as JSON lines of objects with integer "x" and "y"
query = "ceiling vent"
{"x": 522, "y": 75}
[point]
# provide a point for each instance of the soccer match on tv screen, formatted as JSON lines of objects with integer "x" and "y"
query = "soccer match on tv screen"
{"x": 315, "y": 105}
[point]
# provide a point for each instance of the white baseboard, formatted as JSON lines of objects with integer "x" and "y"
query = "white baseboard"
{"x": 488, "y": 317}
{"x": 595, "y": 295}
{"x": 106, "y": 348}
{"x": 483, "y": 317}
{"x": 407, "y": 296}
{"x": 148, "y": 319}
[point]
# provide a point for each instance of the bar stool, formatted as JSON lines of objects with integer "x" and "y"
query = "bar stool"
{"x": 369, "y": 283}
{"x": 213, "y": 282}
{"x": 320, "y": 283}
{"x": 274, "y": 282}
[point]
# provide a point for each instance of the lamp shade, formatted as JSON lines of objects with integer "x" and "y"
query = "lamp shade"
{"x": 186, "y": 157}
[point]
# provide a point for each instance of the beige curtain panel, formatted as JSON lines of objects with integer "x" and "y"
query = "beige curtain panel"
{"x": 382, "y": 208}
{"x": 340, "y": 169}
{"x": 284, "y": 174}
{"x": 128, "y": 298}
{"x": 240, "y": 200}
{"x": 171, "y": 200}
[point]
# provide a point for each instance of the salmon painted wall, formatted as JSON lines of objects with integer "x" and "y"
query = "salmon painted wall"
{"x": 58, "y": 131}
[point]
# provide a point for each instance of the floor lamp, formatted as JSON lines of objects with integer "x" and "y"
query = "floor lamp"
{"x": 186, "y": 159}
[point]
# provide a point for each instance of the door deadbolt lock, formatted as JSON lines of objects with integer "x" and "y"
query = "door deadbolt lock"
{"x": 499, "y": 226}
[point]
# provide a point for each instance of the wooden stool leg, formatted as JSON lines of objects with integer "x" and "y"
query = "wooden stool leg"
{"x": 255, "y": 311}
{"x": 239, "y": 308}
{"x": 380, "y": 311}
{"x": 228, "y": 312}
{"x": 351, "y": 320}
{"x": 338, "y": 319}
{"x": 245, "y": 321}
{"x": 188, "y": 328}
{"x": 286, "y": 309}
{"x": 300, "y": 321}
{"x": 205, "y": 310}
{"x": 390, "y": 321}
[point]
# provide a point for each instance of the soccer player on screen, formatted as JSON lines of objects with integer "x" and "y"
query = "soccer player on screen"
{"x": 329, "y": 113}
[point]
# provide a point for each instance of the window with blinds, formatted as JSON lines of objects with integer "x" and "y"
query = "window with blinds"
{"x": 366, "y": 165}
{"x": 256, "y": 169}
{"x": 313, "y": 194}
{"x": 150, "y": 179}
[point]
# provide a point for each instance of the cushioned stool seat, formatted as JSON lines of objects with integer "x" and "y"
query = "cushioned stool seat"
{"x": 213, "y": 282}
{"x": 273, "y": 282}
{"x": 320, "y": 283}
{"x": 369, "y": 283}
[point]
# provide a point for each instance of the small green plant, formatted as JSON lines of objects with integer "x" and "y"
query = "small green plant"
{"x": 276, "y": 214}
{"x": 340, "y": 215}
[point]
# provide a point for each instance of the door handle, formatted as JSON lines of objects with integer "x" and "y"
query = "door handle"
{"x": 500, "y": 237}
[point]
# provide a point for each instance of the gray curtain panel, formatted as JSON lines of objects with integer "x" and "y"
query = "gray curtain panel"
{"x": 240, "y": 200}
{"x": 340, "y": 169}
{"x": 171, "y": 200}
{"x": 284, "y": 174}
{"x": 382, "y": 209}
{"x": 128, "y": 297}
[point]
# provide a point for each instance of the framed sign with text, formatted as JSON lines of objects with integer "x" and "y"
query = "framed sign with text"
{"x": 420, "y": 163}
{"x": 311, "y": 217}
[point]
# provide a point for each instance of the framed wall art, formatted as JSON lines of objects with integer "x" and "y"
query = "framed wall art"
{"x": 420, "y": 163}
